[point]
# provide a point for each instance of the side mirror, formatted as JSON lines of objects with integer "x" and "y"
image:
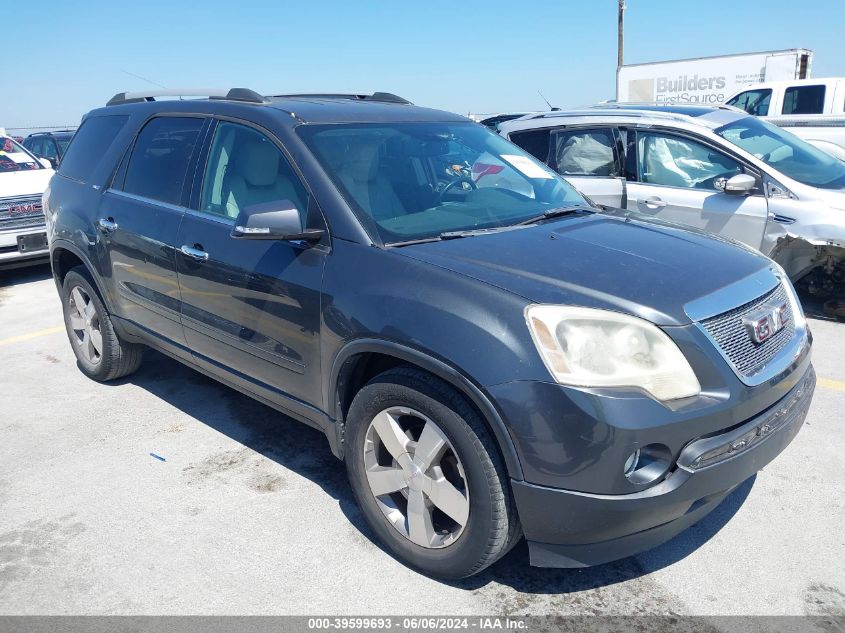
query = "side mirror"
{"x": 47, "y": 163}
{"x": 741, "y": 184}
{"x": 276, "y": 220}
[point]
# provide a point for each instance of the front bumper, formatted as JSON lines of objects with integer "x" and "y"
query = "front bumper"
{"x": 566, "y": 528}
{"x": 11, "y": 256}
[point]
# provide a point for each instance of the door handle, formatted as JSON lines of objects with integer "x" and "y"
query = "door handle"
{"x": 107, "y": 225}
{"x": 652, "y": 202}
{"x": 195, "y": 252}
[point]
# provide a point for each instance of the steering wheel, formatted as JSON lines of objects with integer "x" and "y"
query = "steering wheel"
{"x": 451, "y": 185}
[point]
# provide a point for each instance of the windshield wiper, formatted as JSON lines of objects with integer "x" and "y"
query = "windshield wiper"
{"x": 422, "y": 240}
{"x": 453, "y": 235}
{"x": 555, "y": 213}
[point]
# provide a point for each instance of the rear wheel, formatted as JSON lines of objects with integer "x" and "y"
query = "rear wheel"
{"x": 100, "y": 353}
{"x": 427, "y": 475}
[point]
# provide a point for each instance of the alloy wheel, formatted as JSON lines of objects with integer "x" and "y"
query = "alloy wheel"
{"x": 416, "y": 477}
{"x": 85, "y": 324}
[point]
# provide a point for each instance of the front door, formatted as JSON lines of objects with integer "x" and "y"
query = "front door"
{"x": 251, "y": 308}
{"x": 139, "y": 222}
{"x": 676, "y": 178}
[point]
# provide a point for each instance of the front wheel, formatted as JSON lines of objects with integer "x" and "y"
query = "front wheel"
{"x": 427, "y": 475}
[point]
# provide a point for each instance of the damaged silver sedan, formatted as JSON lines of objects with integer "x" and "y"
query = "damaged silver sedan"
{"x": 713, "y": 168}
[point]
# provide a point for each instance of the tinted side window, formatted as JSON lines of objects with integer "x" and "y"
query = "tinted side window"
{"x": 535, "y": 142}
{"x": 49, "y": 148}
{"x": 89, "y": 145}
{"x": 159, "y": 161}
{"x": 245, "y": 168}
{"x": 803, "y": 100}
{"x": 586, "y": 153}
{"x": 754, "y": 102}
{"x": 680, "y": 162}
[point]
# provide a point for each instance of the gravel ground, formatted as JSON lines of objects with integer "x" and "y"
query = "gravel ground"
{"x": 251, "y": 514}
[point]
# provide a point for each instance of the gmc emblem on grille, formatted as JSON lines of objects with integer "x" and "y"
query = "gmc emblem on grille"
{"x": 23, "y": 209}
{"x": 767, "y": 321}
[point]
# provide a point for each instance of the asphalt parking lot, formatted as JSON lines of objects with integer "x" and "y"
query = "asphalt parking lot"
{"x": 250, "y": 513}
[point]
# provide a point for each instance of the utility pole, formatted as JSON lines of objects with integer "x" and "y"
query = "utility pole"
{"x": 620, "y": 54}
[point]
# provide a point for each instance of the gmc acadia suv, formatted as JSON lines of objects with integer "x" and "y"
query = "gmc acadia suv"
{"x": 489, "y": 361}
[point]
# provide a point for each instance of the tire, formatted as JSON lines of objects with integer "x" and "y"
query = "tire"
{"x": 469, "y": 462}
{"x": 86, "y": 321}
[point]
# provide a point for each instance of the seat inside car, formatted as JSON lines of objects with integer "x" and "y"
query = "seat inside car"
{"x": 364, "y": 177}
{"x": 253, "y": 176}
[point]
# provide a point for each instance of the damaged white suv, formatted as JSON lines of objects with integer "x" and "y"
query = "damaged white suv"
{"x": 23, "y": 178}
{"x": 714, "y": 168}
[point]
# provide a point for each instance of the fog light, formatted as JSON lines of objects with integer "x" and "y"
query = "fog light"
{"x": 648, "y": 464}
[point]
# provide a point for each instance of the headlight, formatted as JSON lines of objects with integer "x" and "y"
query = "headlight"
{"x": 597, "y": 348}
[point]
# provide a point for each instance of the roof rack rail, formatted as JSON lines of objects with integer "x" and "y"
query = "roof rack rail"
{"x": 386, "y": 97}
{"x": 621, "y": 105}
{"x": 229, "y": 94}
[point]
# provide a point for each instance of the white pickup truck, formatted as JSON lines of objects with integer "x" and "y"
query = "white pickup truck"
{"x": 813, "y": 109}
{"x": 23, "y": 178}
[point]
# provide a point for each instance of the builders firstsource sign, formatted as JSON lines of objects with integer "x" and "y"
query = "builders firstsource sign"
{"x": 707, "y": 80}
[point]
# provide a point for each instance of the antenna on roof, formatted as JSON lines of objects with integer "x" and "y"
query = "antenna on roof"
{"x": 551, "y": 107}
{"x": 149, "y": 81}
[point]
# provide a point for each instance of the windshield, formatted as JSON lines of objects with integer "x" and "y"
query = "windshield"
{"x": 412, "y": 181}
{"x": 786, "y": 152}
{"x": 13, "y": 157}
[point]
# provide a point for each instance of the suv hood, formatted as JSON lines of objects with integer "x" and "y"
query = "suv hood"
{"x": 599, "y": 261}
{"x": 23, "y": 183}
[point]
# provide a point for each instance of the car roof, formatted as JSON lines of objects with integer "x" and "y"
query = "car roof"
{"x": 816, "y": 81}
{"x": 293, "y": 109}
{"x": 320, "y": 109}
{"x": 707, "y": 116}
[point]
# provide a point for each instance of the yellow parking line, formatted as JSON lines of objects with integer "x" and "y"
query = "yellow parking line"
{"x": 32, "y": 335}
{"x": 839, "y": 385}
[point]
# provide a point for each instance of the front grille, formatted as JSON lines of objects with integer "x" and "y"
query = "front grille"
{"x": 732, "y": 336}
{"x": 21, "y": 212}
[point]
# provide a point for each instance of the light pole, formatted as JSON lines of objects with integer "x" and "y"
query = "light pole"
{"x": 620, "y": 50}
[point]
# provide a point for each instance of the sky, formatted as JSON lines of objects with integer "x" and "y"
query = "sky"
{"x": 468, "y": 56}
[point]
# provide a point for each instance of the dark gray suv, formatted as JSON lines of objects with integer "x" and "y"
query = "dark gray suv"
{"x": 489, "y": 355}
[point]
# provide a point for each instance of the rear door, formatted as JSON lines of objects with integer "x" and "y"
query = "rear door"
{"x": 591, "y": 158}
{"x": 676, "y": 177}
{"x": 251, "y": 308}
{"x": 139, "y": 222}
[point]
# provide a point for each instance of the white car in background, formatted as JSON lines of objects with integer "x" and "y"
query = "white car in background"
{"x": 23, "y": 178}
{"x": 712, "y": 168}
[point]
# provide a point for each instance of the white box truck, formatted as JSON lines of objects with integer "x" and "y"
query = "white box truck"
{"x": 708, "y": 80}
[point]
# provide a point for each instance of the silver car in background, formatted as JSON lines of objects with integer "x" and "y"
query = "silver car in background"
{"x": 713, "y": 168}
